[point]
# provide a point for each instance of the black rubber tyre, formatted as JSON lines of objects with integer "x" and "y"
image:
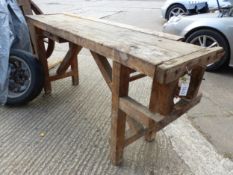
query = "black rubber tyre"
{"x": 35, "y": 78}
{"x": 173, "y": 7}
{"x": 221, "y": 42}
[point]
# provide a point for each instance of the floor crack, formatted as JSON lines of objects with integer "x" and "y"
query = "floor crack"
{"x": 111, "y": 14}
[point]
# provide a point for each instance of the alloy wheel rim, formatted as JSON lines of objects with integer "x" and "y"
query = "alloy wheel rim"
{"x": 20, "y": 77}
{"x": 205, "y": 41}
{"x": 176, "y": 11}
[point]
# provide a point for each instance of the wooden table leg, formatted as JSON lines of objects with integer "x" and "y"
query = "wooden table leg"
{"x": 150, "y": 136}
{"x": 120, "y": 88}
{"x": 41, "y": 53}
{"x": 196, "y": 79}
{"x": 161, "y": 101}
{"x": 74, "y": 68}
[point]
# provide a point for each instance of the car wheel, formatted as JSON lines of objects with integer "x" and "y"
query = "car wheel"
{"x": 210, "y": 38}
{"x": 175, "y": 10}
{"x": 26, "y": 78}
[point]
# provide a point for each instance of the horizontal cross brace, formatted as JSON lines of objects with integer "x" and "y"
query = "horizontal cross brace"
{"x": 137, "y": 110}
{"x": 140, "y": 112}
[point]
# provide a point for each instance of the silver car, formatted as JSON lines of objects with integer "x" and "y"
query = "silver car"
{"x": 177, "y": 7}
{"x": 206, "y": 30}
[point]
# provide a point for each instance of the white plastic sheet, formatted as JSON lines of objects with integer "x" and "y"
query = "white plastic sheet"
{"x": 14, "y": 34}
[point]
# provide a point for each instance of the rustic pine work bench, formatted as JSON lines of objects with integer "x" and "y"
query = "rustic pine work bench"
{"x": 157, "y": 55}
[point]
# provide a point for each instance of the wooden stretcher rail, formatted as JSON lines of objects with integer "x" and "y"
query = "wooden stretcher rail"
{"x": 182, "y": 107}
{"x": 136, "y": 77}
{"x": 132, "y": 51}
{"x": 137, "y": 110}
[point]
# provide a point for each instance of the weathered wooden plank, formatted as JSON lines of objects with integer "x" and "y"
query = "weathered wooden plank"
{"x": 133, "y": 28}
{"x": 147, "y": 45}
{"x": 107, "y": 51}
{"x": 104, "y": 67}
{"x": 173, "y": 69}
{"x": 140, "y": 51}
{"x": 120, "y": 87}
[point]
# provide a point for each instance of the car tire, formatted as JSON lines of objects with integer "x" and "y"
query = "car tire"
{"x": 26, "y": 78}
{"x": 219, "y": 38}
{"x": 173, "y": 8}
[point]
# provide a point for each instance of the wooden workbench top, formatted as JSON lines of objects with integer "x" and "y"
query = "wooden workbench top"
{"x": 142, "y": 50}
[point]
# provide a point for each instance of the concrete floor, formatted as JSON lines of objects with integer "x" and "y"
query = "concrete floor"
{"x": 67, "y": 133}
{"x": 214, "y": 116}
